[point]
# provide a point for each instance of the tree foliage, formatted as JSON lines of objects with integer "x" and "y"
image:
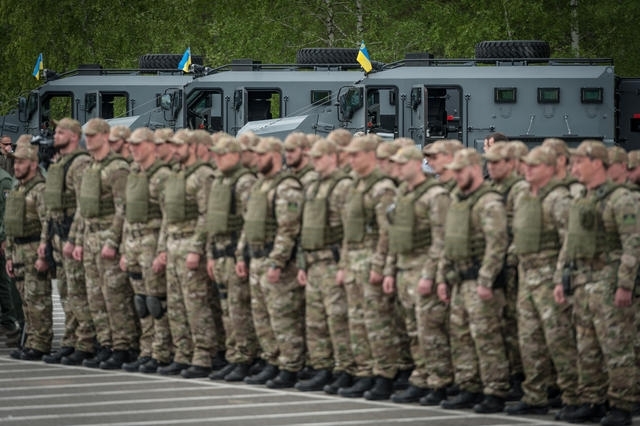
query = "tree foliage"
{"x": 115, "y": 33}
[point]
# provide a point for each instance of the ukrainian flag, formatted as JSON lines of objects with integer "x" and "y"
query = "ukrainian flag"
{"x": 185, "y": 62}
{"x": 39, "y": 67}
{"x": 363, "y": 58}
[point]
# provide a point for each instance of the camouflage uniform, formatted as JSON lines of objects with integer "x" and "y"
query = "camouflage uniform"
{"x": 414, "y": 254}
{"x": 477, "y": 345}
{"x": 546, "y": 333}
{"x": 277, "y": 308}
{"x": 10, "y": 304}
{"x": 24, "y": 220}
{"x": 60, "y": 195}
{"x": 139, "y": 242}
{"x": 235, "y": 295}
{"x": 326, "y": 310}
{"x": 602, "y": 249}
{"x": 376, "y": 342}
{"x": 101, "y": 209}
{"x": 189, "y": 292}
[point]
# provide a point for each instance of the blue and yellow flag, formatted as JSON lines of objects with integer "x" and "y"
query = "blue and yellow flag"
{"x": 363, "y": 58}
{"x": 185, "y": 62}
{"x": 39, "y": 67}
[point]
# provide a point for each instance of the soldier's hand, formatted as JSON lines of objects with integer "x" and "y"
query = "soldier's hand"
{"x": 425, "y": 287}
{"x": 211, "y": 266}
{"x": 192, "y": 261}
{"x": 41, "y": 265}
{"x": 273, "y": 275}
{"x": 42, "y": 251}
{"x": 558, "y": 294}
{"x": 77, "y": 253}
{"x": 485, "y": 293}
{"x": 108, "y": 252}
{"x": 302, "y": 277}
{"x": 123, "y": 263}
{"x": 340, "y": 277}
{"x": 374, "y": 277}
{"x": 622, "y": 298}
{"x": 9, "y": 268}
{"x": 241, "y": 269}
{"x": 160, "y": 262}
{"x": 67, "y": 250}
{"x": 389, "y": 284}
{"x": 443, "y": 293}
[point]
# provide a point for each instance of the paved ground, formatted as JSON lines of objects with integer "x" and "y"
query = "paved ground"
{"x": 35, "y": 393}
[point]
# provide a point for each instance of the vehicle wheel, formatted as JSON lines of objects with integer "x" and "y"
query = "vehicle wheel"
{"x": 165, "y": 61}
{"x": 513, "y": 49}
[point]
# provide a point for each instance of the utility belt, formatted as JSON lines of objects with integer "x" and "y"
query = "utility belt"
{"x": 228, "y": 250}
{"x": 328, "y": 253}
{"x": 257, "y": 251}
{"x": 26, "y": 240}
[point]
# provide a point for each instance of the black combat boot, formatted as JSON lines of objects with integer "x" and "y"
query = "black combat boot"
{"x": 76, "y": 357}
{"x": 103, "y": 354}
{"x": 411, "y": 394}
{"x": 566, "y": 410}
{"x": 172, "y": 369}
{"x": 381, "y": 390}
{"x": 586, "y": 413}
{"x": 321, "y": 378}
{"x": 115, "y": 361}
{"x": 268, "y": 372}
{"x": 306, "y": 373}
{"x": 616, "y": 417}
{"x": 490, "y": 404}
{"x": 522, "y": 408}
{"x": 464, "y": 399}
{"x": 401, "y": 381}
{"x": 435, "y": 397}
{"x": 284, "y": 379}
{"x": 220, "y": 374}
{"x": 30, "y": 354}
{"x": 357, "y": 390}
{"x": 134, "y": 366}
{"x": 152, "y": 366}
{"x": 238, "y": 374}
{"x": 218, "y": 361}
{"x": 16, "y": 353}
{"x": 56, "y": 357}
{"x": 343, "y": 380}
{"x": 195, "y": 372}
{"x": 257, "y": 366}
{"x": 515, "y": 391}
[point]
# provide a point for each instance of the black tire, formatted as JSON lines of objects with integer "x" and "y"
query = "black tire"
{"x": 513, "y": 49}
{"x": 165, "y": 61}
{"x": 323, "y": 55}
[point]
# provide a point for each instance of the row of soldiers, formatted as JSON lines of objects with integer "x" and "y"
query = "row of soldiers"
{"x": 340, "y": 254}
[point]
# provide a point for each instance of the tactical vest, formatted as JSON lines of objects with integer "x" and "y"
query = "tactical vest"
{"x": 139, "y": 208}
{"x": 56, "y": 197}
{"x": 91, "y": 202}
{"x": 360, "y": 219}
{"x": 224, "y": 210}
{"x": 16, "y": 223}
{"x": 316, "y": 231}
{"x": 404, "y": 235}
{"x": 459, "y": 244}
{"x": 530, "y": 236}
{"x": 260, "y": 226}
{"x": 586, "y": 236}
{"x": 177, "y": 207}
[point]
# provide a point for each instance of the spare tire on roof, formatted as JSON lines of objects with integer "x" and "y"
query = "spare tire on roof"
{"x": 513, "y": 49}
{"x": 165, "y": 61}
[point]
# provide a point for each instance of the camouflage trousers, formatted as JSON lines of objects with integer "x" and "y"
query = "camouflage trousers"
{"x": 70, "y": 321}
{"x": 477, "y": 346}
{"x": 155, "y": 334}
{"x": 235, "y": 302}
{"x": 605, "y": 338}
{"x": 546, "y": 334}
{"x": 219, "y": 333}
{"x": 375, "y": 326}
{"x": 326, "y": 316}
{"x": 189, "y": 294}
{"x": 510, "y": 321}
{"x": 427, "y": 325}
{"x": 35, "y": 290}
{"x": 278, "y": 315}
{"x": 109, "y": 294}
{"x": 10, "y": 302}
